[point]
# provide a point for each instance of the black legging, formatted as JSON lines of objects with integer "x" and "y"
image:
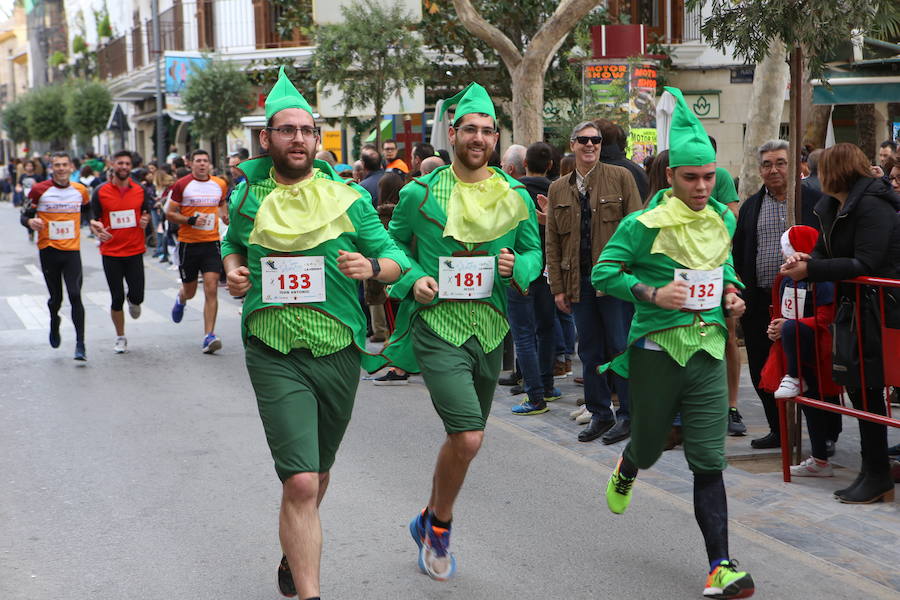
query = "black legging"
{"x": 58, "y": 265}
{"x": 131, "y": 270}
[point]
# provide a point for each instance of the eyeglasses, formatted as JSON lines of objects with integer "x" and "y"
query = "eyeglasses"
{"x": 779, "y": 165}
{"x": 894, "y": 178}
{"x": 289, "y": 132}
{"x": 584, "y": 139}
{"x": 472, "y": 131}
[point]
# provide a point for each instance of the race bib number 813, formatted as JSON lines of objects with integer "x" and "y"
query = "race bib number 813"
{"x": 293, "y": 279}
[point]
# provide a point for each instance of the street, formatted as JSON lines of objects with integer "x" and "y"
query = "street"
{"x": 147, "y": 476}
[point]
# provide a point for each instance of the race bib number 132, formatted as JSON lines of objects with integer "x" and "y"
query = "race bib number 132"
{"x": 293, "y": 279}
{"x": 704, "y": 288}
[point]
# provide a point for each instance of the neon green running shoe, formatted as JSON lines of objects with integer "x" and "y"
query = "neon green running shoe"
{"x": 618, "y": 490}
{"x": 727, "y": 582}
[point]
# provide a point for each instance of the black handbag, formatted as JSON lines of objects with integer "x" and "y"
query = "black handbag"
{"x": 846, "y": 367}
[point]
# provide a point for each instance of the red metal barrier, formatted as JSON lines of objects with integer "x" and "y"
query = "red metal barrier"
{"x": 890, "y": 347}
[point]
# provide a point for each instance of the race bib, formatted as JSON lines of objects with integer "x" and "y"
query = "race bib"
{"x": 466, "y": 277}
{"x": 793, "y": 302}
{"x": 205, "y": 222}
{"x": 704, "y": 288}
{"x": 293, "y": 279}
{"x": 122, "y": 219}
{"x": 61, "y": 230}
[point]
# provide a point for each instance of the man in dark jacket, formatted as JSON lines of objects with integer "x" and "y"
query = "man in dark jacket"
{"x": 613, "y": 153}
{"x": 757, "y": 257}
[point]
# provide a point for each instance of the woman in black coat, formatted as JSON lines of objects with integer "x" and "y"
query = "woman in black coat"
{"x": 860, "y": 237}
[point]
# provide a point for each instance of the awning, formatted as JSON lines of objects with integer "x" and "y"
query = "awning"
{"x": 387, "y": 131}
{"x": 857, "y": 89}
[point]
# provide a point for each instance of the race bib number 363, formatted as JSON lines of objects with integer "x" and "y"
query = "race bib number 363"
{"x": 704, "y": 288}
{"x": 61, "y": 230}
{"x": 466, "y": 277}
{"x": 293, "y": 279}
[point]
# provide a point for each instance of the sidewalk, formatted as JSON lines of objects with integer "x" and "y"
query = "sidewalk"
{"x": 862, "y": 539}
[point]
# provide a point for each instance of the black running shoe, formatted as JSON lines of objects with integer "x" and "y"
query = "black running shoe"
{"x": 285, "y": 579}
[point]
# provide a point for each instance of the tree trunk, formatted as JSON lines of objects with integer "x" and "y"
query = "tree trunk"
{"x": 865, "y": 130}
{"x": 764, "y": 118}
{"x": 527, "y": 105}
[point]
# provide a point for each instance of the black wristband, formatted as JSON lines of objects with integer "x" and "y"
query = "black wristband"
{"x": 192, "y": 220}
{"x": 653, "y": 295}
{"x": 376, "y": 267}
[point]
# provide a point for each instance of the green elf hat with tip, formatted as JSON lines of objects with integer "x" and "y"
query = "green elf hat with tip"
{"x": 473, "y": 99}
{"x": 284, "y": 95}
{"x": 689, "y": 143}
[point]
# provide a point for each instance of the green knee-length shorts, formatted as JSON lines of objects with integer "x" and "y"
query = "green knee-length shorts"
{"x": 304, "y": 403}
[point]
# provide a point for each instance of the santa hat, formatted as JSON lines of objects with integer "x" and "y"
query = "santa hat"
{"x": 799, "y": 238}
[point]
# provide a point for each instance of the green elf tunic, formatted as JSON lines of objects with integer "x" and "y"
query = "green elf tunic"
{"x": 419, "y": 226}
{"x": 322, "y": 327}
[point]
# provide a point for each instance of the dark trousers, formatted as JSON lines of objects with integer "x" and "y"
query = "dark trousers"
{"x": 757, "y": 343}
{"x": 120, "y": 270}
{"x": 602, "y": 334}
{"x": 872, "y": 437}
{"x": 59, "y": 266}
{"x": 531, "y": 322}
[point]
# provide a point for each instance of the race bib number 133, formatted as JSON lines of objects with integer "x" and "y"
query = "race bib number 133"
{"x": 293, "y": 279}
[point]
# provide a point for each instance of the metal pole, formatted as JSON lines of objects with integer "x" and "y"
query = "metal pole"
{"x": 157, "y": 51}
{"x": 796, "y": 105}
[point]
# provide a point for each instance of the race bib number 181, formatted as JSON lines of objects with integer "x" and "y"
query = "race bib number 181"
{"x": 704, "y": 288}
{"x": 293, "y": 279}
{"x": 466, "y": 277}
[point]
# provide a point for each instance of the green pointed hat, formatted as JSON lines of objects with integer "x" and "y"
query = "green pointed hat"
{"x": 689, "y": 143}
{"x": 473, "y": 99}
{"x": 284, "y": 95}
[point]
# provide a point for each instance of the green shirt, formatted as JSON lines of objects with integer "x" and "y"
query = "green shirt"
{"x": 458, "y": 321}
{"x": 296, "y": 326}
{"x": 681, "y": 343}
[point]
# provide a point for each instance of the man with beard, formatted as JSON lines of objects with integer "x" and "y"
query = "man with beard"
{"x": 471, "y": 232}
{"x": 299, "y": 242}
{"x": 196, "y": 204}
{"x": 121, "y": 209}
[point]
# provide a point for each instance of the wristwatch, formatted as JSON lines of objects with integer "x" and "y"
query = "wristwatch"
{"x": 376, "y": 267}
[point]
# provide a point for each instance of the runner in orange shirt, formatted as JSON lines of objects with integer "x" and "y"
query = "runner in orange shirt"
{"x": 54, "y": 211}
{"x": 121, "y": 209}
{"x": 197, "y": 202}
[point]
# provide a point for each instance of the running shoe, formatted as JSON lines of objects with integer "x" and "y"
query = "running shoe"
{"x": 211, "y": 343}
{"x": 577, "y": 412}
{"x": 80, "y": 353}
{"x": 435, "y": 558}
{"x": 178, "y": 309}
{"x": 134, "y": 310}
{"x": 286, "y": 579}
{"x": 736, "y": 425}
{"x": 618, "y": 490}
{"x": 530, "y": 408}
{"x": 553, "y": 395}
{"x": 392, "y": 378}
{"x": 811, "y": 468}
{"x": 585, "y": 417}
{"x": 55, "y": 338}
{"x": 727, "y": 582}
{"x": 121, "y": 346}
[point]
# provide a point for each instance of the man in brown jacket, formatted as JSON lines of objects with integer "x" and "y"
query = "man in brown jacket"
{"x": 584, "y": 210}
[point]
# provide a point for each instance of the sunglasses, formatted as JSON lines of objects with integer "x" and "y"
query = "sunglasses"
{"x": 584, "y": 139}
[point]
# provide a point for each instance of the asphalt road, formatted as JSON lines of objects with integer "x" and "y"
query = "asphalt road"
{"x": 146, "y": 476}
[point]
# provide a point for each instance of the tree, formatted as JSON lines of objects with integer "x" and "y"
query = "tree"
{"x": 15, "y": 121}
{"x": 88, "y": 106}
{"x": 46, "y": 115}
{"x": 217, "y": 97}
{"x": 527, "y": 65}
{"x": 369, "y": 57}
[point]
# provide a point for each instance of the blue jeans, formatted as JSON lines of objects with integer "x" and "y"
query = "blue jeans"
{"x": 161, "y": 242}
{"x": 564, "y": 331}
{"x": 531, "y": 321}
{"x": 602, "y": 334}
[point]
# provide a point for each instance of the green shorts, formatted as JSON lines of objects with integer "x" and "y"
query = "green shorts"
{"x": 304, "y": 403}
{"x": 461, "y": 380}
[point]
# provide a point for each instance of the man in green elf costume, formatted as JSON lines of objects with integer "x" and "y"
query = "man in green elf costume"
{"x": 673, "y": 261}
{"x": 299, "y": 242}
{"x": 470, "y": 232}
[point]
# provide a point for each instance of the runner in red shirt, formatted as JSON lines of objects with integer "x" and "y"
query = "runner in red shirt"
{"x": 121, "y": 210}
{"x": 54, "y": 211}
{"x": 197, "y": 202}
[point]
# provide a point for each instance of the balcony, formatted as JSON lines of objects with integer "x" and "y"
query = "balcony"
{"x": 266, "y": 16}
{"x": 112, "y": 59}
{"x": 137, "y": 48}
{"x": 171, "y": 29}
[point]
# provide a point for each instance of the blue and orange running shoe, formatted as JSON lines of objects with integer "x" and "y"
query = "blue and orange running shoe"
{"x": 435, "y": 559}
